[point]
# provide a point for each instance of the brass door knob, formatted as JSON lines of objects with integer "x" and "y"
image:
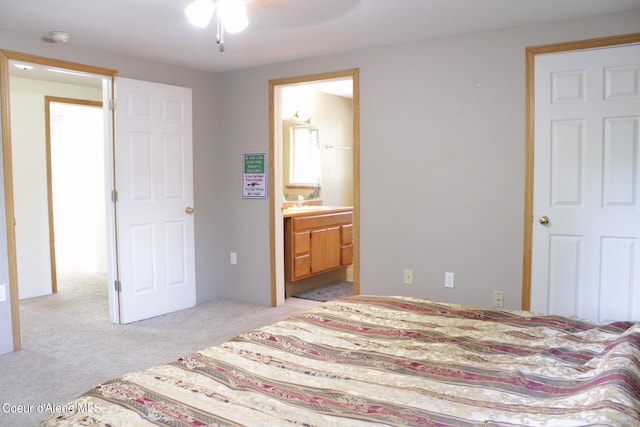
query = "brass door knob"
{"x": 189, "y": 210}
{"x": 544, "y": 220}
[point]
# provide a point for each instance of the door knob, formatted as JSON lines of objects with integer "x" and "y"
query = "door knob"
{"x": 544, "y": 220}
{"x": 189, "y": 210}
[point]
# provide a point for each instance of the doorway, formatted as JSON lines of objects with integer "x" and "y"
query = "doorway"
{"x": 174, "y": 150}
{"x": 58, "y": 73}
{"x": 53, "y": 155}
{"x": 286, "y": 118}
{"x": 75, "y": 154}
{"x": 541, "y": 220}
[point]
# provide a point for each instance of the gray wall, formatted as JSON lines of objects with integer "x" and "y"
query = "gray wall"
{"x": 442, "y": 160}
{"x": 441, "y": 166}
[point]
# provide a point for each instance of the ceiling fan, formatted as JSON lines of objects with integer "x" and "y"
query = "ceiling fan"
{"x": 231, "y": 16}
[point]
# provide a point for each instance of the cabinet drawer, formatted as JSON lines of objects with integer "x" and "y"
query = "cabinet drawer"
{"x": 301, "y": 242}
{"x": 346, "y": 255}
{"x": 320, "y": 221}
{"x": 347, "y": 234}
{"x": 301, "y": 266}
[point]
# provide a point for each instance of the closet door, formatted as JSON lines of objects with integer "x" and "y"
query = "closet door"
{"x": 586, "y": 230}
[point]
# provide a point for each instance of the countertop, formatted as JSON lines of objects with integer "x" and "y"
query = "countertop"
{"x": 313, "y": 210}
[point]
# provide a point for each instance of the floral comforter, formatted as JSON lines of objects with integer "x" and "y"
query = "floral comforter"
{"x": 389, "y": 361}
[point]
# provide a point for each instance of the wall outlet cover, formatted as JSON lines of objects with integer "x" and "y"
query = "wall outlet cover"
{"x": 498, "y": 298}
{"x": 449, "y": 279}
{"x": 408, "y": 277}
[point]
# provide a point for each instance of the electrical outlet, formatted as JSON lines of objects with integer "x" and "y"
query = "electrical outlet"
{"x": 408, "y": 277}
{"x": 233, "y": 258}
{"x": 449, "y": 279}
{"x": 498, "y": 298}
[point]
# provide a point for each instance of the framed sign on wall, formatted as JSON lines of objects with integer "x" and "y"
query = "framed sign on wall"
{"x": 254, "y": 175}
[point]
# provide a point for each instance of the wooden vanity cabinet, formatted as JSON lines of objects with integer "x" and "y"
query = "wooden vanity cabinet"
{"x": 317, "y": 243}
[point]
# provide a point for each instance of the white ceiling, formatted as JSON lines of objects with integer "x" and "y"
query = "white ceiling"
{"x": 279, "y": 30}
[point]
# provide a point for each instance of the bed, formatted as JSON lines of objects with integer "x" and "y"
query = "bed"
{"x": 383, "y": 360}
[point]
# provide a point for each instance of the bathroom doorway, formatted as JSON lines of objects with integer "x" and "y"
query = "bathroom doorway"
{"x": 292, "y": 105}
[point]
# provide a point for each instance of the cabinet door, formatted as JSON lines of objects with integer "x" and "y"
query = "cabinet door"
{"x": 325, "y": 249}
{"x": 333, "y": 247}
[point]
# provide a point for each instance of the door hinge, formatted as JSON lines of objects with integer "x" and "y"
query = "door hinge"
{"x": 117, "y": 285}
{"x": 114, "y": 196}
{"x": 113, "y": 104}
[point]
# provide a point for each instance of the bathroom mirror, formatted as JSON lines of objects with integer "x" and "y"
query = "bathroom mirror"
{"x": 305, "y": 156}
{"x": 303, "y": 153}
{"x": 317, "y": 142}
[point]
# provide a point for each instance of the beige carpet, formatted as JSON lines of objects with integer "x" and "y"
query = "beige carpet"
{"x": 69, "y": 345}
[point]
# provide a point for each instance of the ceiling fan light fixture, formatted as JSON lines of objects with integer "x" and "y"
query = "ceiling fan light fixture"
{"x": 200, "y": 12}
{"x": 233, "y": 14}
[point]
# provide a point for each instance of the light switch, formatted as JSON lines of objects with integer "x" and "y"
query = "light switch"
{"x": 3, "y": 292}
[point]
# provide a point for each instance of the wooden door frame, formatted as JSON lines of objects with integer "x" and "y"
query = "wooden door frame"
{"x": 531, "y": 53}
{"x": 354, "y": 74}
{"x": 5, "y": 57}
{"x": 47, "y": 119}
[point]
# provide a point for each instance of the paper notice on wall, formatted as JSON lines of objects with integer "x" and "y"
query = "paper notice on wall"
{"x": 254, "y": 175}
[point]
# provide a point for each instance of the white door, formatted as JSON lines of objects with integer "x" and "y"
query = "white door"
{"x": 154, "y": 180}
{"x": 586, "y": 258}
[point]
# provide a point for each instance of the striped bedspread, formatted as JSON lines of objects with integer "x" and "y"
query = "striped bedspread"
{"x": 388, "y": 361}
